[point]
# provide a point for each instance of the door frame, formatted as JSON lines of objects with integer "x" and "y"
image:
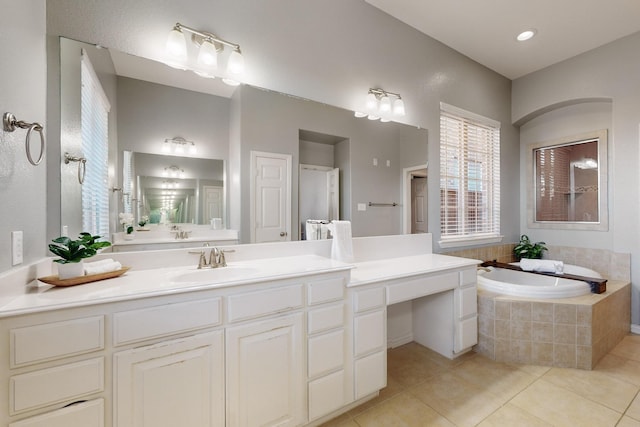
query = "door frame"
{"x": 252, "y": 190}
{"x": 407, "y": 173}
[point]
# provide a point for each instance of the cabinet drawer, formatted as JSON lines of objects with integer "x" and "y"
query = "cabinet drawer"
{"x": 467, "y": 299}
{"x": 466, "y": 334}
{"x": 256, "y": 304}
{"x": 419, "y": 287}
{"x": 366, "y": 300}
{"x": 326, "y": 394}
{"x": 53, "y": 385}
{"x": 369, "y": 331}
{"x": 371, "y": 374}
{"x": 85, "y": 414}
{"x": 326, "y": 353}
{"x": 153, "y": 322}
{"x": 325, "y": 291}
{"x": 323, "y": 319}
{"x": 50, "y": 341}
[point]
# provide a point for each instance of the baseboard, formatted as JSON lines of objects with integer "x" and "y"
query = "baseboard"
{"x": 635, "y": 329}
{"x": 398, "y": 341}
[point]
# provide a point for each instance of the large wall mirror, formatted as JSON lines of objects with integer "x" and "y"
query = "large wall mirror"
{"x": 151, "y": 103}
{"x": 569, "y": 178}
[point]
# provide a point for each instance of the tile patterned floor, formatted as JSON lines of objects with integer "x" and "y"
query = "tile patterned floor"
{"x": 426, "y": 389}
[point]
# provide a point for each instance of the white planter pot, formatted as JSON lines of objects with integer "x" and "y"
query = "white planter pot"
{"x": 70, "y": 270}
{"x": 129, "y": 236}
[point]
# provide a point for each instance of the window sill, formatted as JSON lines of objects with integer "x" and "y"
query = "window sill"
{"x": 469, "y": 241}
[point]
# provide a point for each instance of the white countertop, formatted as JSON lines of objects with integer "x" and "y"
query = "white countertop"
{"x": 39, "y": 296}
{"x": 158, "y": 273}
{"x": 395, "y": 268}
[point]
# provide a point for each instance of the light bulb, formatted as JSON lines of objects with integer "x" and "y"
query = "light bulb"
{"x": 371, "y": 102}
{"x": 166, "y": 147}
{"x": 207, "y": 55}
{"x": 179, "y": 149}
{"x": 192, "y": 149}
{"x": 165, "y": 173}
{"x": 173, "y": 174}
{"x": 176, "y": 48}
{"x": 398, "y": 107}
{"x": 236, "y": 62}
{"x": 359, "y": 114}
{"x": 384, "y": 119}
{"x": 385, "y": 104}
{"x": 373, "y": 117}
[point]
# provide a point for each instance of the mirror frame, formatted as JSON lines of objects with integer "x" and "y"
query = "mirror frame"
{"x": 603, "y": 216}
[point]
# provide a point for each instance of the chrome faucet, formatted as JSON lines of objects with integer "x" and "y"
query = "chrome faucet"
{"x": 216, "y": 257}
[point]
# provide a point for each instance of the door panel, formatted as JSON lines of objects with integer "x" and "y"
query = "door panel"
{"x": 271, "y": 193}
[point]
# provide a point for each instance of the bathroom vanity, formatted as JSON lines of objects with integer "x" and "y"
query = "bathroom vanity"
{"x": 287, "y": 340}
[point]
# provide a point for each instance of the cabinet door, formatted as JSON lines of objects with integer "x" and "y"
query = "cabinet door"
{"x": 173, "y": 383}
{"x": 85, "y": 414}
{"x": 265, "y": 376}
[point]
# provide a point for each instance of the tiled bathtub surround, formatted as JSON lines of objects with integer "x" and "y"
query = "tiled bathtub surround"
{"x": 567, "y": 332}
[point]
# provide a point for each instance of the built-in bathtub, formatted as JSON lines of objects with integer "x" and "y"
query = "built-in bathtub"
{"x": 530, "y": 285}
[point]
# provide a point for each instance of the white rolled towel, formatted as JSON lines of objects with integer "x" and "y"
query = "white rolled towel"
{"x": 103, "y": 266}
{"x": 542, "y": 265}
{"x": 342, "y": 245}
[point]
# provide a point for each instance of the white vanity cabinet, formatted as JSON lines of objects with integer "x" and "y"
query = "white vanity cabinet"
{"x": 173, "y": 383}
{"x": 52, "y": 370}
{"x": 328, "y": 371}
{"x": 369, "y": 341}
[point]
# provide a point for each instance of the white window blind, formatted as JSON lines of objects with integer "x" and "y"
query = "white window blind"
{"x": 469, "y": 175}
{"x": 94, "y": 117}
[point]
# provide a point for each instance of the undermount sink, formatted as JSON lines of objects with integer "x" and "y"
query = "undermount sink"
{"x": 213, "y": 275}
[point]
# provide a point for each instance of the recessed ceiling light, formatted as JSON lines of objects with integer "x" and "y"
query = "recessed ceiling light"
{"x": 526, "y": 35}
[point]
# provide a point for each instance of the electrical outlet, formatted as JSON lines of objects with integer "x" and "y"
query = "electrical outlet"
{"x": 16, "y": 247}
{"x": 362, "y": 207}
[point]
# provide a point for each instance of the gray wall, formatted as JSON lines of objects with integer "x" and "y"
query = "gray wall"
{"x": 611, "y": 73}
{"x": 289, "y": 48}
{"x": 23, "y": 93}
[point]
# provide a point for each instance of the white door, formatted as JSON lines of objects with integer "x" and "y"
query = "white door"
{"x": 270, "y": 197}
{"x": 265, "y": 373}
{"x": 174, "y": 383}
{"x": 418, "y": 196}
{"x": 213, "y": 197}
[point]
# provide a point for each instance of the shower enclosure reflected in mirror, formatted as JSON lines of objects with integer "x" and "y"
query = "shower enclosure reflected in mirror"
{"x": 569, "y": 183}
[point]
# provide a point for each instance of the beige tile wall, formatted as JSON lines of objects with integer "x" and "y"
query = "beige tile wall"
{"x": 569, "y": 332}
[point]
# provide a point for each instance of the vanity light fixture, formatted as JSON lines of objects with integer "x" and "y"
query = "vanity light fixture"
{"x": 379, "y": 105}
{"x": 173, "y": 172}
{"x": 209, "y": 46}
{"x": 178, "y": 145}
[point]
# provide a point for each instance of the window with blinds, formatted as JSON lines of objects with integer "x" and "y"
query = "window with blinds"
{"x": 94, "y": 117}
{"x": 469, "y": 175}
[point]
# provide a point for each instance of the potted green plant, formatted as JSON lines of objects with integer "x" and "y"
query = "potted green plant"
{"x": 526, "y": 249}
{"x": 72, "y": 252}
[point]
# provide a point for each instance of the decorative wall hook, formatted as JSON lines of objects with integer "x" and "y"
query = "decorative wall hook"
{"x": 9, "y": 125}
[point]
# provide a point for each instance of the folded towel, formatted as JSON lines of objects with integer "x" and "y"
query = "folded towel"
{"x": 542, "y": 265}
{"x": 342, "y": 245}
{"x": 99, "y": 267}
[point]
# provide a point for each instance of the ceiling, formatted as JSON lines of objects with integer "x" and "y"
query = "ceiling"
{"x": 486, "y": 31}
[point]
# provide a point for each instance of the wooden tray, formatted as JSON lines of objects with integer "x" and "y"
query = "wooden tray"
{"x": 80, "y": 280}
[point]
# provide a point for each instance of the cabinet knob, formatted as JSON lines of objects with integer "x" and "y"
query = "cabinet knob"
{"x": 283, "y": 233}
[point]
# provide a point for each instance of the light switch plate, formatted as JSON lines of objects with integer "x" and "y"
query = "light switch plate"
{"x": 362, "y": 206}
{"x": 16, "y": 247}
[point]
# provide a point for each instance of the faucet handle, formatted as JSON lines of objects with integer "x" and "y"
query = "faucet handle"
{"x": 223, "y": 261}
{"x": 202, "y": 262}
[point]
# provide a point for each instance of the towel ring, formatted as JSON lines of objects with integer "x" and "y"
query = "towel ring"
{"x": 9, "y": 124}
{"x": 82, "y": 165}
